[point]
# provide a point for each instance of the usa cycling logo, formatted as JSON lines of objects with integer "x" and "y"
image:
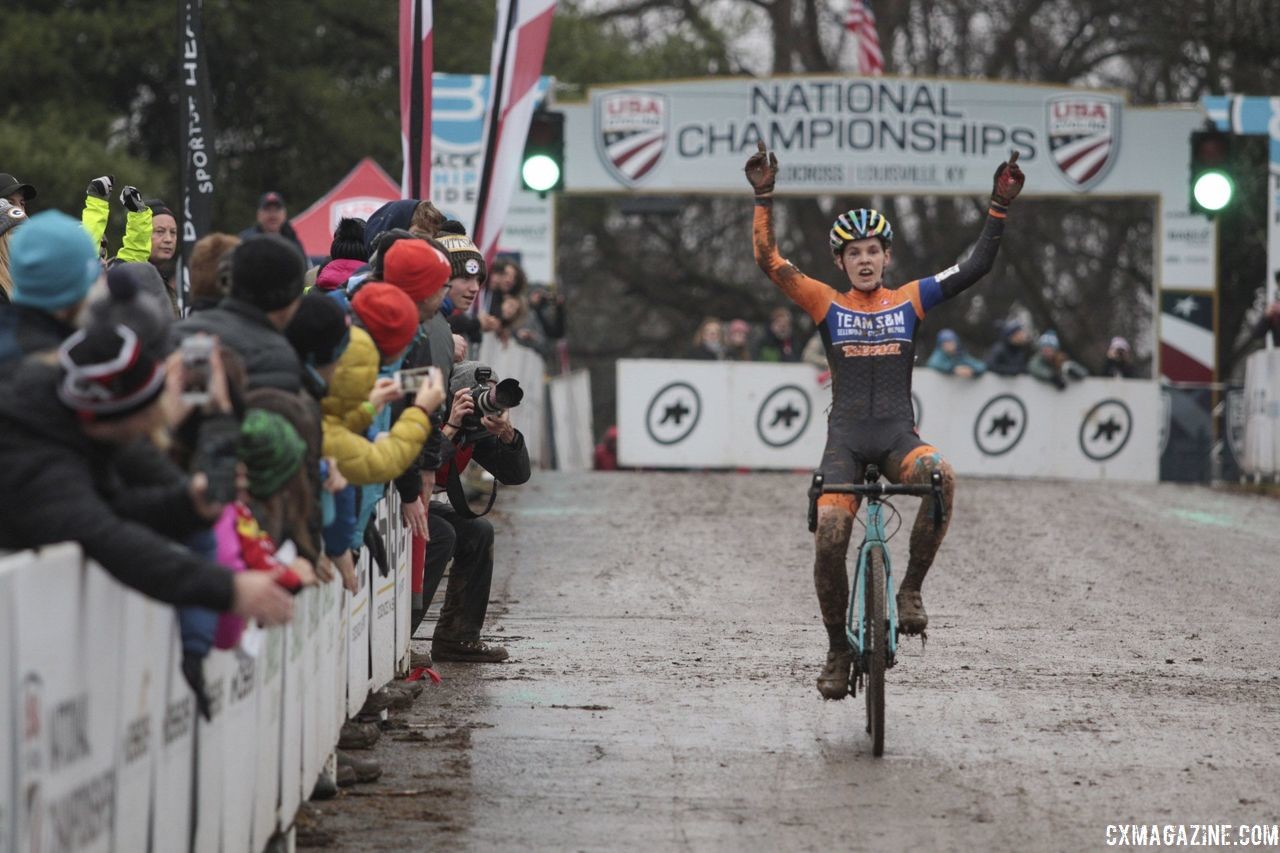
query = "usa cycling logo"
{"x": 631, "y": 133}
{"x": 1084, "y": 136}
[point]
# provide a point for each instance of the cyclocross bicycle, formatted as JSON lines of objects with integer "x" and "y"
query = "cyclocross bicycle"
{"x": 872, "y": 626}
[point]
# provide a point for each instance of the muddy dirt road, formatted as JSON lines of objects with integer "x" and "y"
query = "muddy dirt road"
{"x": 1097, "y": 654}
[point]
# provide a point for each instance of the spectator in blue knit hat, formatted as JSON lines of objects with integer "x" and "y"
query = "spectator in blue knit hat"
{"x": 949, "y": 357}
{"x": 52, "y": 263}
{"x": 1050, "y": 364}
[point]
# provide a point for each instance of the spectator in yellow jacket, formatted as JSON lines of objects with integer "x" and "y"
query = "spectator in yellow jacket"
{"x": 387, "y": 321}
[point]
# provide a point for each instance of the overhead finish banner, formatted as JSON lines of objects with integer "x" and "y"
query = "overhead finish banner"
{"x": 890, "y": 135}
{"x": 196, "y": 124}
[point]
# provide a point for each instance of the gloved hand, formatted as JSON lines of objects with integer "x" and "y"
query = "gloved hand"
{"x": 762, "y": 171}
{"x": 1008, "y": 181}
{"x": 100, "y": 187}
{"x": 132, "y": 199}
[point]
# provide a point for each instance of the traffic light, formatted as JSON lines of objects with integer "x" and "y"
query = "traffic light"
{"x": 1212, "y": 181}
{"x": 542, "y": 167}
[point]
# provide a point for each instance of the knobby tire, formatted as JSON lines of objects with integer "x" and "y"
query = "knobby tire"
{"x": 877, "y": 651}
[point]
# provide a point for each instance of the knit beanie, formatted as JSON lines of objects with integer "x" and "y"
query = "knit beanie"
{"x": 381, "y": 245}
{"x": 52, "y": 262}
{"x": 132, "y": 300}
{"x": 107, "y": 373}
{"x": 420, "y": 270}
{"x": 1048, "y": 339}
{"x": 267, "y": 271}
{"x": 271, "y": 450}
{"x": 159, "y": 208}
{"x": 463, "y": 254}
{"x": 11, "y": 216}
{"x": 320, "y": 330}
{"x": 388, "y": 315}
{"x": 348, "y": 241}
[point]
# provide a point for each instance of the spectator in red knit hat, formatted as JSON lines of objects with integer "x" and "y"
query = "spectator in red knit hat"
{"x": 422, "y": 271}
{"x": 389, "y": 316}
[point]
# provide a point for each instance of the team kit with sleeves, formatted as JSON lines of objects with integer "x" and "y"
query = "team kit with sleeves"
{"x": 869, "y": 335}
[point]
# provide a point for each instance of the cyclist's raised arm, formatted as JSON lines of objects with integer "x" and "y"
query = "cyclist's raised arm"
{"x": 1007, "y": 185}
{"x": 810, "y": 294}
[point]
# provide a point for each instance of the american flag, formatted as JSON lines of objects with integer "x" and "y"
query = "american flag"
{"x": 861, "y": 23}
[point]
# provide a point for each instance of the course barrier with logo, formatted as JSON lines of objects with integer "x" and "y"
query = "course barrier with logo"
{"x": 698, "y": 414}
{"x": 101, "y": 745}
{"x": 1262, "y": 415}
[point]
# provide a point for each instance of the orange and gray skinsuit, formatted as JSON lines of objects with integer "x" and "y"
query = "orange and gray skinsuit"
{"x": 137, "y": 229}
{"x": 870, "y": 346}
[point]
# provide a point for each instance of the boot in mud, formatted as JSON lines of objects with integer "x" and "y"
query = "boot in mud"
{"x": 834, "y": 681}
{"x": 911, "y": 616}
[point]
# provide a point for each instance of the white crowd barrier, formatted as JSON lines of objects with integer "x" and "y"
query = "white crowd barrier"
{"x": 1262, "y": 414}
{"x": 101, "y": 746}
{"x": 516, "y": 361}
{"x": 699, "y": 414}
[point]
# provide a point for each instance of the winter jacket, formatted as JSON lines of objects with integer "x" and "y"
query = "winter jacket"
{"x": 432, "y": 347}
{"x": 270, "y": 360}
{"x": 25, "y": 330}
{"x": 508, "y": 463}
{"x": 361, "y": 461}
{"x": 57, "y": 486}
{"x": 772, "y": 348}
{"x": 943, "y": 363}
{"x": 137, "y": 229}
{"x": 1008, "y": 359}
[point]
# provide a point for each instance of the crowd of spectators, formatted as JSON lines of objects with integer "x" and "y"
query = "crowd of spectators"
{"x": 222, "y": 455}
{"x": 774, "y": 341}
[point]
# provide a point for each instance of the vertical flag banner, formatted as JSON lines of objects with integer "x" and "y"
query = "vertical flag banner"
{"x": 861, "y": 24}
{"x": 416, "y": 61}
{"x": 519, "y": 45}
{"x": 196, "y": 122}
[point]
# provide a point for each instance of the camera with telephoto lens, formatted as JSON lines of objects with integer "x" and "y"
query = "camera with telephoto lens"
{"x": 489, "y": 399}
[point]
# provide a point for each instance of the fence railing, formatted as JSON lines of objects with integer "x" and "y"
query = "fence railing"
{"x": 101, "y": 747}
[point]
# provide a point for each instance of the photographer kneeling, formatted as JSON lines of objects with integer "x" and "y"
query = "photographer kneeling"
{"x": 478, "y": 428}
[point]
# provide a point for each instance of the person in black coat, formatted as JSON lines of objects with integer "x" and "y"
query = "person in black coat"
{"x": 62, "y": 477}
{"x": 266, "y": 287}
{"x": 1009, "y": 355}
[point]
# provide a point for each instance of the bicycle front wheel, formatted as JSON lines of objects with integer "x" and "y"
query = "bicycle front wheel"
{"x": 876, "y": 652}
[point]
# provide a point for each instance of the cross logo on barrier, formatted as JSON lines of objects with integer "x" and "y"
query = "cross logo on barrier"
{"x": 677, "y": 412}
{"x": 1109, "y": 428}
{"x": 783, "y": 416}
{"x": 1000, "y": 425}
{"x": 1105, "y": 430}
{"x": 673, "y": 413}
{"x": 1004, "y": 423}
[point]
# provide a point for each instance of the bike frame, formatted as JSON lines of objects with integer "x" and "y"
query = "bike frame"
{"x": 856, "y": 625}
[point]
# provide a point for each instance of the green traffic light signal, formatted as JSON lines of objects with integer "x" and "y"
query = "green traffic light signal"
{"x": 540, "y": 173}
{"x": 1213, "y": 190}
{"x": 542, "y": 167}
{"x": 1212, "y": 177}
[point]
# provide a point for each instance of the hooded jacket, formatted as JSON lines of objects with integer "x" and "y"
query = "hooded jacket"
{"x": 361, "y": 461}
{"x": 56, "y": 485}
{"x": 269, "y": 358}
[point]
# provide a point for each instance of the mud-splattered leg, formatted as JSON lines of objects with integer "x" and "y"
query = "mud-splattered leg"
{"x": 918, "y": 468}
{"x": 831, "y": 579}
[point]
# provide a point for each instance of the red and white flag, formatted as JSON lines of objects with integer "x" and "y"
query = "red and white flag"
{"x": 861, "y": 24}
{"x": 415, "y": 97}
{"x": 519, "y": 45}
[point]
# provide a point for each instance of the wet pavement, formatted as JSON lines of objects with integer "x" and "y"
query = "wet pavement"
{"x": 1098, "y": 654}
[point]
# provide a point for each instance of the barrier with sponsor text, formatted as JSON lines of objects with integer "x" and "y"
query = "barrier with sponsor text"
{"x": 101, "y": 746}
{"x": 697, "y": 414}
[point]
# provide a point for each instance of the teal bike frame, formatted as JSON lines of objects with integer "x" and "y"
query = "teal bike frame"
{"x": 874, "y": 539}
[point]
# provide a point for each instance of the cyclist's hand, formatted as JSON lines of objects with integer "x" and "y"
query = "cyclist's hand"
{"x": 762, "y": 171}
{"x": 1008, "y": 181}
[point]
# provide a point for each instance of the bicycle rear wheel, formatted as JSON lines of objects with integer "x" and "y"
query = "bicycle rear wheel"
{"x": 876, "y": 652}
